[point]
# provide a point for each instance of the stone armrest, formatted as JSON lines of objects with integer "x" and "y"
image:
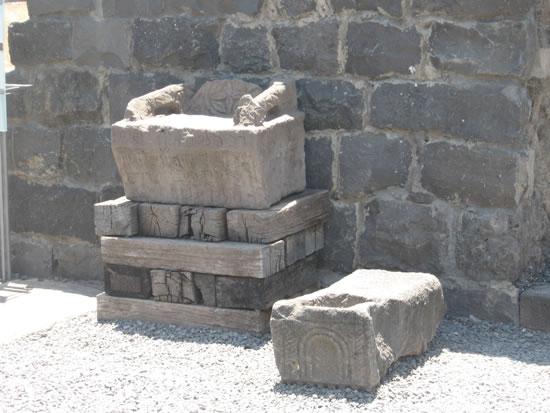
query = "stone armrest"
{"x": 163, "y": 101}
{"x": 279, "y": 98}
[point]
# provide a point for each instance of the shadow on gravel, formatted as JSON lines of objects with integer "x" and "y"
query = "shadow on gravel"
{"x": 190, "y": 335}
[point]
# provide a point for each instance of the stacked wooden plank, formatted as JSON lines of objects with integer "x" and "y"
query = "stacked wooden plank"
{"x": 200, "y": 266}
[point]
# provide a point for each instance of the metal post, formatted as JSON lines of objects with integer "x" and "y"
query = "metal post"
{"x": 4, "y": 217}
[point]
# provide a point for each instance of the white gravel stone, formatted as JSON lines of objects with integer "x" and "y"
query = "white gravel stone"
{"x": 86, "y": 366}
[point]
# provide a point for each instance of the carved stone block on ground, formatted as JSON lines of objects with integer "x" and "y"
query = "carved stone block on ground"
{"x": 291, "y": 215}
{"x": 159, "y": 220}
{"x": 174, "y": 287}
{"x": 127, "y": 281}
{"x": 116, "y": 217}
{"x": 350, "y": 333}
{"x": 208, "y": 224}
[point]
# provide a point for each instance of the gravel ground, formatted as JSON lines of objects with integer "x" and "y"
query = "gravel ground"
{"x": 81, "y": 365}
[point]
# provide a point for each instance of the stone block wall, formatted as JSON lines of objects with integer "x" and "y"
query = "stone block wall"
{"x": 427, "y": 120}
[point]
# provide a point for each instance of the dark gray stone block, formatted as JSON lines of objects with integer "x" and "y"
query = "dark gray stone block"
{"x": 124, "y": 87}
{"x": 51, "y": 210}
{"x": 125, "y": 281}
{"x": 178, "y": 41}
{"x": 246, "y": 49}
{"x": 40, "y": 41}
{"x": 370, "y": 162}
{"x": 488, "y": 247}
{"x": 340, "y": 229}
{"x": 474, "y": 176}
{"x": 312, "y": 47}
{"x": 495, "y": 112}
{"x": 402, "y": 236}
{"x": 491, "y": 48}
{"x": 87, "y": 156}
{"x": 534, "y": 308}
{"x": 65, "y": 96}
{"x": 77, "y": 260}
{"x": 475, "y": 9}
{"x": 261, "y": 294}
{"x": 40, "y": 7}
{"x": 330, "y": 104}
{"x": 217, "y": 7}
{"x": 391, "y": 7}
{"x": 16, "y": 100}
{"x": 495, "y": 302}
{"x": 295, "y": 8}
{"x": 34, "y": 151}
{"x": 319, "y": 161}
{"x": 31, "y": 257}
{"x": 375, "y": 49}
{"x": 132, "y": 8}
{"x": 101, "y": 42}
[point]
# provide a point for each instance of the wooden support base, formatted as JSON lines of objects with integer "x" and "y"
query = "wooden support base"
{"x": 119, "y": 308}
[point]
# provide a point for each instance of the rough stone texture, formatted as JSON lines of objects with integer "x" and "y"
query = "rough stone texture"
{"x": 534, "y": 308}
{"x": 330, "y": 104}
{"x": 246, "y": 49}
{"x": 293, "y": 214}
{"x": 131, "y": 8}
{"x": 40, "y": 41}
{"x": 346, "y": 335}
{"x": 319, "y": 161}
{"x": 34, "y": 152}
{"x": 54, "y": 210}
{"x": 30, "y": 257}
{"x": 221, "y": 97}
{"x": 40, "y": 7}
{"x": 87, "y": 156}
{"x": 208, "y": 224}
{"x": 391, "y": 7}
{"x": 258, "y": 165}
{"x": 126, "y": 281}
{"x": 174, "y": 287}
{"x": 65, "y": 96}
{"x": 488, "y": 177}
{"x": 101, "y": 43}
{"x": 490, "y": 301}
{"x": 77, "y": 260}
{"x": 493, "y": 48}
{"x": 310, "y": 48}
{"x": 489, "y": 112}
{"x": 473, "y": 8}
{"x": 159, "y": 220}
{"x": 488, "y": 246}
{"x": 400, "y": 235}
{"x": 217, "y": 7}
{"x": 118, "y": 217}
{"x": 372, "y": 162}
{"x": 177, "y": 41}
{"x": 123, "y": 87}
{"x": 375, "y": 49}
{"x": 339, "y": 251}
{"x": 295, "y": 8}
{"x": 261, "y": 294}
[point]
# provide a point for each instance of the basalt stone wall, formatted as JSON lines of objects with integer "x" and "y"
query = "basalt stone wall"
{"x": 427, "y": 120}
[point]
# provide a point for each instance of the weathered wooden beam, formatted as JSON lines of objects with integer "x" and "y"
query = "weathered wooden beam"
{"x": 117, "y": 217}
{"x": 197, "y": 316}
{"x": 291, "y": 215}
{"x": 221, "y": 258}
{"x": 159, "y": 220}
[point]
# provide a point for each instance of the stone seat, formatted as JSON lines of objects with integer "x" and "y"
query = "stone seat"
{"x": 351, "y": 332}
{"x": 215, "y": 150}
